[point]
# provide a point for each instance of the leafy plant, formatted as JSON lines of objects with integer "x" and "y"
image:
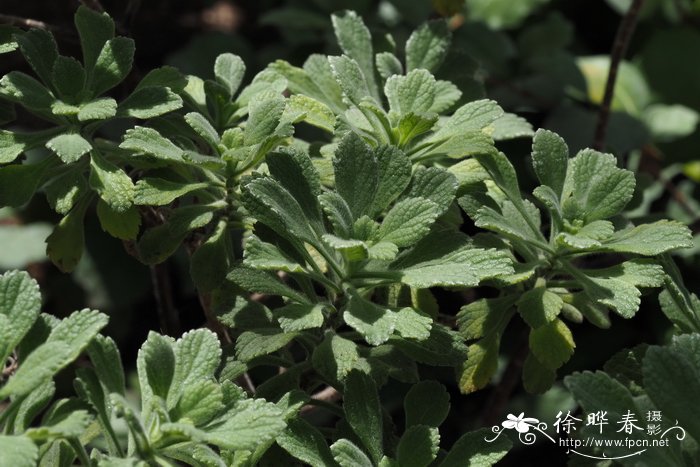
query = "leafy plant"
{"x": 320, "y": 261}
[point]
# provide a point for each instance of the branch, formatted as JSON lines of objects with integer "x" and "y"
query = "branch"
{"x": 93, "y": 5}
{"x": 163, "y": 291}
{"x": 27, "y": 23}
{"x": 622, "y": 40}
{"x": 328, "y": 395}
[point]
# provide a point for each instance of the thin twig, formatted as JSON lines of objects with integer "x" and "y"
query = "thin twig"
{"x": 213, "y": 323}
{"x": 163, "y": 291}
{"x": 27, "y": 23}
{"x": 622, "y": 40}
{"x": 328, "y": 394}
{"x": 93, "y": 5}
{"x": 499, "y": 397}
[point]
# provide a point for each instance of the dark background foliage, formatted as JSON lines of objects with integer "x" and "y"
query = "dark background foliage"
{"x": 528, "y": 64}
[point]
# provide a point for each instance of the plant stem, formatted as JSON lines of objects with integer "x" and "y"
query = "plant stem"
{"x": 622, "y": 40}
{"x": 325, "y": 397}
{"x": 26, "y": 22}
{"x": 162, "y": 289}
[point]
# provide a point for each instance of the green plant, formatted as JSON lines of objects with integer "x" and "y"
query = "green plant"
{"x": 316, "y": 263}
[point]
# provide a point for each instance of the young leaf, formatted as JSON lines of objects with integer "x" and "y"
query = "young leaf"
{"x": 112, "y": 65}
{"x": 65, "y": 244}
{"x": 346, "y": 454}
{"x": 106, "y": 360}
{"x": 156, "y": 367}
{"x": 149, "y": 102}
{"x": 40, "y": 50}
{"x": 356, "y": 41}
{"x": 68, "y": 77}
{"x": 412, "y": 93}
{"x": 254, "y": 423}
{"x": 253, "y": 280}
{"x": 20, "y": 302}
{"x": 95, "y": 29}
{"x": 203, "y": 128}
{"x": 350, "y": 78}
{"x": 197, "y": 356}
{"x": 650, "y": 239}
{"x": 149, "y": 141}
{"x": 112, "y": 184}
{"x": 98, "y": 109}
{"x": 211, "y": 261}
{"x": 19, "y": 451}
{"x": 159, "y": 192}
{"x": 388, "y": 65}
{"x": 69, "y": 147}
{"x": 481, "y": 364}
{"x": 26, "y": 91}
{"x": 363, "y": 411}
{"x": 298, "y": 317}
{"x": 539, "y": 306}
{"x": 550, "y": 158}
{"x": 418, "y": 446}
{"x": 552, "y": 344}
{"x": 428, "y": 45}
{"x": 306, "y": 443}
{"x": 229, "y": 70}
{"x": 263, "y": 117}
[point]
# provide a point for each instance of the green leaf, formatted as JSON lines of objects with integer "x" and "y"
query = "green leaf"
{"x": 426, "y": 403}
{"x": 69, "y": 146}
{"x": 472, "y": 449}
{"x": 387, "y": 64}
{"x": 350, "y": 78}
{"x": 374, "y": 322}
{"x": 12, "y": 144}
{"x": 149, "y": 141}
{"x": 418, "y": 446}
{"x": 19, "y": 182}
{"x": 159, "y": 192}
{"x": 511, "y": 126}
{"x": 263, "y": 117}
{"x": 203, "y": 128}
{"x": 68, "y": 77}
{"x": 26, "y": 91}
{"x": 473, "y": 116}
{"x": 428, "y": 45}
{"x": 256, "y": 281}
{"x": 251, "y": 344}
{"x": 356, "y": 41}
{"x": 594, "y": 187}
{"x": 98, "y": 109}
{"x": 295, "y": 171}
{"x": 414, "y": 92}
{"x": 436, "y": 184}
{"x": 552, "y": 344}
{"x": 7, "y": 41}
{"x": 197, "y": 356}
{"x": 65, "y": 342}
{"x": 447, "y": 259}
{"x": 481, "y": 364}
{"x": 315, "y": 113}
{"x": 444, "y": 347}
{"x": 413, "y": 324}
{"x": 485, "y": 317}
{"x": 40, "y": 50}
{"x": 270, "y": 203}
{"x": 95, "y": 29}
{"x": 298, "y": 317}
{"x": 446, "y": 95}
{"x": 306, "y": 443}
{"x": 356, "y": 174}
{"x": 650, "y": 239}
{"x": 112, "y": 65}
{"x": 539, "y": 306}
{"x": 550, "y": 158}
{"x": 20, "y": 304}
{"x": 335, "y": 357}
{"x": 112, "y": 184}
{"x": 347, "y": 454}
{"x": 159, "y": 242}
{"x": 672, "y": 377}
{"x": 229, "y": 70}
{"x": 23, "y": 244}
{"x": 18, "y": 451}
{"x": 107, "y": 363}
{"x": 165, "y": 76}
{"x": 65, "y": 244}
{"x": 211, "y": 261}
{"x": 72, "y": 425}
{"x": 122, "y": 225}
{"x": 669, "y": 122}
{"x": 537, "y": 378}
{"x": 408, "y": 221}
{"x": 149, "y": 102}
{"x": 254, "y": 423}
{"x": 268, "y": 257}
{"x": 156, "y": 367}
{"x": 363, "y": 411}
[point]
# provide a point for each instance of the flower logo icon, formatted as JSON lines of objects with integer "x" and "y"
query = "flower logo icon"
{"x": 520, "y": 423}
